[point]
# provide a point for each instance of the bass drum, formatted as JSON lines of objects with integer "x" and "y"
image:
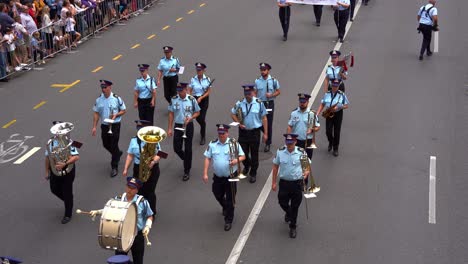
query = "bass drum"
{"x": 118, "y": 226}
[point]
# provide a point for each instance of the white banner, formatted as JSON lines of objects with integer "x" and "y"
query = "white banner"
{"x": 312, "y": 2}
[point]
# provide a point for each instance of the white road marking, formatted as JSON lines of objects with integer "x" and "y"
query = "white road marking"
{"x": 249, "y": 224}
{"x": 436, "y": 41}
{"x": 27, "y": 155}
{"x": 432, "y": 190}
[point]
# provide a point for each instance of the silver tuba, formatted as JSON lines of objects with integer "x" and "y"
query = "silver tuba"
{"x": 60, "y": 150}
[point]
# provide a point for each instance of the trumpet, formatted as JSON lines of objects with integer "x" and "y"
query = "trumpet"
{"x": 234, "y": 155}
{"x": 305, "y": 165}
{"x": 311, "y": 125}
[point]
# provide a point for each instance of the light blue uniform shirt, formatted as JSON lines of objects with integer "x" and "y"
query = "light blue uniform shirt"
{"x": 270, "y": 85}
{"x": 219, "y": 155}
{"x": 299, "y": 123}
{"x": 289, "y": 164}
{"x": 135, "y": 150}
{"x": 105, "y": 106}
{"x": 252, "y": 112}
{"x": 183, "y": 108}
{"x": 330, "y": 99}
{"x": 341, "y": 8}
{"x": 73, "y": 150}
{"x": 166, "y": 64}
{"x": 333, "y": 72}
{"x": 426, "y": 18}
{"x": 199, "y": 87}
{"x": 143, "y": 210}
{"x": 145, "y": 87}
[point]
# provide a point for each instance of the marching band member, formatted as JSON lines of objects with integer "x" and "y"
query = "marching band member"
{"x": 267, "y": 89}
{"x": 284, "y": 16}
{"x": 287, "y": 164}
{"x": 341, "y": 17}
{"x": 318, "y": 9}
{"x": 299, "y": 124}
{"x": 144, "y": 218}
{"x": 182, "y": 110}
{"x": 334, "y": 102}
{"x": 334, "y": 72}
{"x": 200, "y": 88}
{"x": 145, "y": 94}
{"x": 61, "y": 185}
{"x": 168, "y": 68}
{"x": 253, "y": 115}
{"x": 148, "y": 188}
{"x": 428, "y": 22}
{"x": 109, "y": 106}
{"x": 218, "y": 154}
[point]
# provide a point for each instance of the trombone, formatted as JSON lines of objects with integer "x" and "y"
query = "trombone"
{"x": 311, "y": 125}
{"x": 234, "y": 155}
{"x": 305, "y": 165}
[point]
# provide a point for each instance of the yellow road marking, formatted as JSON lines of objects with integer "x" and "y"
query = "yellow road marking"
{"x": 117, "y": 57}
{"x": 97, "y": 69}
{"x": 9, "y": 123}
{"x": 179, "y": 19}
{"x": 190, "y": 12}
{"x": 135, "y": 46}
{"x": 39, "y": 105}
{"x": 152, "y": 36}
{"x": 166, "y": 27}
{"x": 203, "y": 4}
{"x": 69, "y": 86}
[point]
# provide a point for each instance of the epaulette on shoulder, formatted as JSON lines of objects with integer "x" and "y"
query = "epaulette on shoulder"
{"x": 174, "y": 97}
{"x": 259, "y": 101}
{"x": 340, "y": 92}
{"x": 300, "y": 149}
{"x": 190, "y": 97}
{"x": 282, "y": 148}
{"x": 116, "y": 96}
{"x": 214, "y": 140}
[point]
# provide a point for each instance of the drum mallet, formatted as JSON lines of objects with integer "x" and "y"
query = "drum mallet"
{"x": 148, "y": 243}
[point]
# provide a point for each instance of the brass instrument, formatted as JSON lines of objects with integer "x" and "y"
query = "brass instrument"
{"x": 305, "y": 165}
{"x": 187, "y": 108}
{"x": 151, "y": 135}
{"x": 234, "y": 155}
{"x": 329, "y": 113}
{"x": 60, "y": 152}
{"x": 110, "y": 120}
{"x": 311, "y": 125}
{"x": 239, "y": 114}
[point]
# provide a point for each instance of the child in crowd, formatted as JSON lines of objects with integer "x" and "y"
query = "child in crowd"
{"x": 21, "y": 51}
{"x": 10, "y": 38}
{"x": 70, "y": 29}
{"x": 36, "y": 47}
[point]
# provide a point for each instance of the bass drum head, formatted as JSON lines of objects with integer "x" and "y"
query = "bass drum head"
{"x": 129, "y": 228}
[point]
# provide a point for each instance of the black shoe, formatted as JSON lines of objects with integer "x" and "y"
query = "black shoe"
{"x": 114, "y": 172}
{"x": 335, "y": 153}
{"x": 227, "y": 226}
{"x": 341, "y": 40}
{"x": 286, "y": 218}
{"x": 66, "y": 219}
{"x": 267, "y": 148}
{"x": 4, "y": 79}
{"x": 351, "y": 19}
{"x": 292, "y": 233}
{"x": 253, "y": 179}
{"x": 429, "y": 53}
{"x": 420, "y": 57}
{"x": 186, "y": 177}
{"x": 285, "y": 38}
{"x": 245, "y": 171}
{"x": 329, "y": 147}
{"x": 202, "y": 141}
{"x": 317, "y": 24}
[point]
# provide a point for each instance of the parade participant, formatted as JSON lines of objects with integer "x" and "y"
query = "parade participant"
{"x": 200, "y": 88}
{"x": 352, "y": 6}
{"x": 287, "y": 165}
{"x": 267, "y": 89}
{"x": 168, "y": 69}
{"x": 109, "y": 106}
{"x": 148, "y": 188}
{"x": 341, "y": 17}
{"x": 250, "y": 113}
{"x": 428, "y": 22}
{"x": 225, "y": 167}
{"x": 334, "y": 72}
{"x": 284, "y": 16}
{"x": 60, "y": 165}
{"x": 304, "y": 123}
{"x": 333, "y": 102}
{"x": 318, "y": 14}
{"x": 182, "y": 110}
{"x": 144, "y": 218}
{"x": 145, "y": 94}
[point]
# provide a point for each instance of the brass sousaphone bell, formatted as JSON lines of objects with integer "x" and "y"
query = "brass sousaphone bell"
{"x": 151, "y": 135}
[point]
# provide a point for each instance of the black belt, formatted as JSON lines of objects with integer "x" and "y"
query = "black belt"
{"x": 283, "y": 180}
{"x": 142, "y": 99}
{"x": 170, "y": 76}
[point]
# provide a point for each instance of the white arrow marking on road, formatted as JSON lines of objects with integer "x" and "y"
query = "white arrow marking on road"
{"x": 27, "y": 155}
{"x": 248, "y": 226}
{"x": 432, "y": 190}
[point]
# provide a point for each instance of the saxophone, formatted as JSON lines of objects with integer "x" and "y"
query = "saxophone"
{"x": 328, "y": 113}
{"x": 151, "y": 135}
{"x": 61, "y": 151}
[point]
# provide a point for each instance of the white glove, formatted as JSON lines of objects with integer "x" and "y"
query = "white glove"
{"x": 146, "y": 230}
{"x": 93, "y": 213}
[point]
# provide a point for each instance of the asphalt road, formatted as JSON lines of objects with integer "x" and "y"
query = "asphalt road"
{"x": 373, "y": 207}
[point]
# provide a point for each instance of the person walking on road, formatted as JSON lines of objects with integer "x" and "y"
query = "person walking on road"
{"x": 200, "y": 88}
{"x": 145, "y": 94}
{"x": 318, "y": 9}
{"x": 428, "y": 22}
{"x": 110, "y": 108}
{"x": 284, "y": 16}
{"x": 341, "y": 17}
{"x": 168, "y": 69}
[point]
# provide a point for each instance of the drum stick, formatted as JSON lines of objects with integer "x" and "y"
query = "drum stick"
{"x": 148, "y": 243}
{"x": 78, "y": 211}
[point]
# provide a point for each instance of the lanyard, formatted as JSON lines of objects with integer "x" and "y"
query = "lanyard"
{"x": 333, "y": 97}
{"x": 247, "y": 110}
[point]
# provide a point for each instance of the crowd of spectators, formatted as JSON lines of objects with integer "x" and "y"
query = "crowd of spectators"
{"x": 33, "y": 30}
